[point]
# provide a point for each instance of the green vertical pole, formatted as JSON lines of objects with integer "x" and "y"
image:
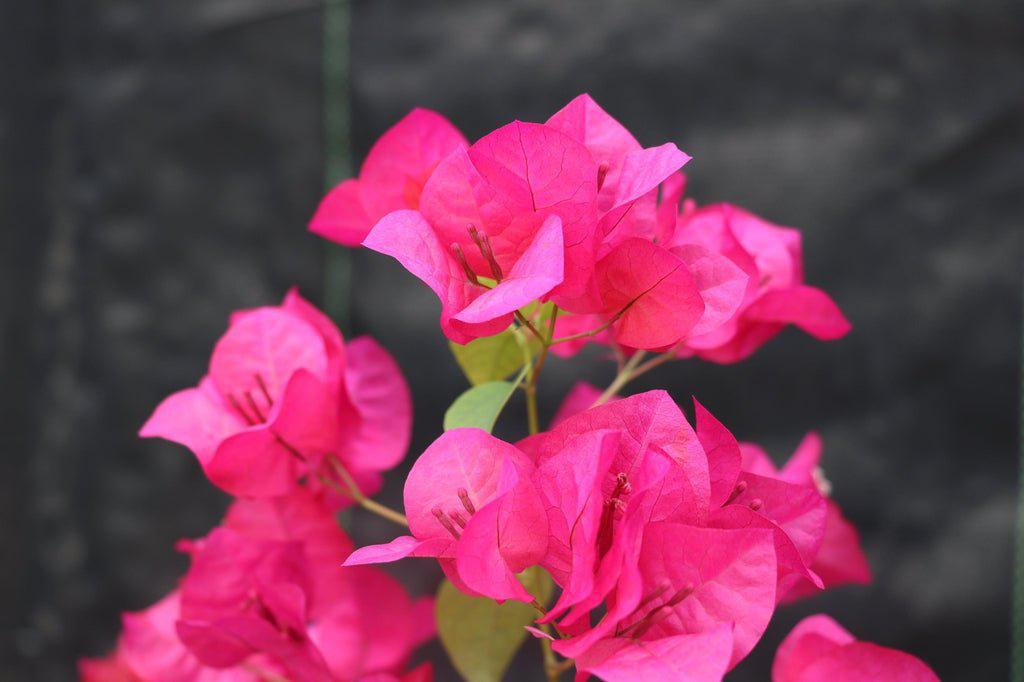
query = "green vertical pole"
{"x": 1017, "y": 661}
{"x": 337, "y": 137}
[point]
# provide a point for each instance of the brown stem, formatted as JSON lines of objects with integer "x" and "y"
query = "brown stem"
{"x": 529, "y": 325}
{"x": 592, "y": 332}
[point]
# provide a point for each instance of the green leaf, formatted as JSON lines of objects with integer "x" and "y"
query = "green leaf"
{"x": 481, "y": 636}
{"x": 479, "y": 406}
{"x": 492, "y": 358}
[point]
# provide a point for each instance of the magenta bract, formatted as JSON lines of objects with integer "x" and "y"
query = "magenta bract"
{"x": 283, "y": 394}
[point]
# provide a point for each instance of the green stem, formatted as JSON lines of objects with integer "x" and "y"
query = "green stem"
{"x": 621, "y": 379}
{"x": 552, "y": 667}
{"x": 532, "y": 421}
{"x": 631, "y": 370}
{"x": 352, "y": 490}
{"x": 661, "y": 359}
{"x": 338, "y": 162}
{"x": 529, "y": 325}
{"x": 534, "y": 373}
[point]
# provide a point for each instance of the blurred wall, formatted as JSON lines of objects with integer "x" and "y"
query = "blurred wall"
{"x": 158, "y": 161}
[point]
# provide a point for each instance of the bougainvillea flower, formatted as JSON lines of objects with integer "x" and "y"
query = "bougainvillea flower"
{"x": 714, "y": 576}
{"x": 794, "y": 511}
{"x": 304, "y": 518}
{"x": 820, "y": 650}
{"x": 484, "y": 210}
{"x": 489, "y": 207}
{"x": 628, "y": 174}
{"x": 469, "y": 308}
{"x": 266, "y": 596}
{"x": 775, "y": 295}
{"x": 839, "y": 560}
{"x": 648, "y": 423}
{"x": 656, "y": 296}
{"x": 471, "y": 503}
{"x": 343, "y": 604}
{"x": 701, "y": 657}
{"x": 357, "y": 643}
{"x": 795, "y": 514}
{"x": 697, "y": 580}
{"x": 392, "y": 177}
{"x": 657, "y": 470}
{"x": 570, "y": 483}
{"x": 282, "y": 393}
{"x": 148, "y": 650}
{"x": 655, "y": 292}
{"x": 244, "y": 596}
{"x": 723, "y": 453}
{"x": 268, "y": 583}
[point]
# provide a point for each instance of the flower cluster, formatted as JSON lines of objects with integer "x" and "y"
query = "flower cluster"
{"x": 671, "y": 543}
{"x": 296, "y": 423}
{"x": 679, "y": 536}
{"x": 576, "y": 211}
{"x": 287, "y": 399}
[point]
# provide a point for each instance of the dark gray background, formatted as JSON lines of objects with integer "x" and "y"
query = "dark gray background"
{"x": 158, "y": 161}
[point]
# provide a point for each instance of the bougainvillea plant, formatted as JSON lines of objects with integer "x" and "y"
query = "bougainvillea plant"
{"x": 632, "y": 543}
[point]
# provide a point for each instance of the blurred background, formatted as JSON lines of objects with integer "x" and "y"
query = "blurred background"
{"x": 159, "y": 161}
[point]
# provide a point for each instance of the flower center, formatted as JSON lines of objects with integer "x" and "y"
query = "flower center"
{"x": 613, "y": 504}
{"x": 248, "y": 406}
{"x": 740, "y": 488}
{"x": 453, "y": 517}
{"x": 659, "y": 612}
{"x": 602, "y": 173}
{"x": 253, "y": 413}
{"x": 483, "y": 245}
{"x": 255, "y": 602}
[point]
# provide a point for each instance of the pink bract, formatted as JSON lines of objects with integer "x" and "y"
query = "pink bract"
{"x": 472, "y": 504}
{"x": 525, "y": 214}
{"x": 746, "y": 278}
{"x": 702, "y": 657}
{"x": 820, "y": 650}
{"x": 579, "y": 398}
{"x": 839, "y": 558}
{"x": 149, "y": 650}
{"x": 284, "y": 393}
{"x": 775, "y": 295}
{"x": 266, "y": 595}
{"x": 244, "y": 596}
{"x": 649, "y": 466}
{"x": 392, "y": 177}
